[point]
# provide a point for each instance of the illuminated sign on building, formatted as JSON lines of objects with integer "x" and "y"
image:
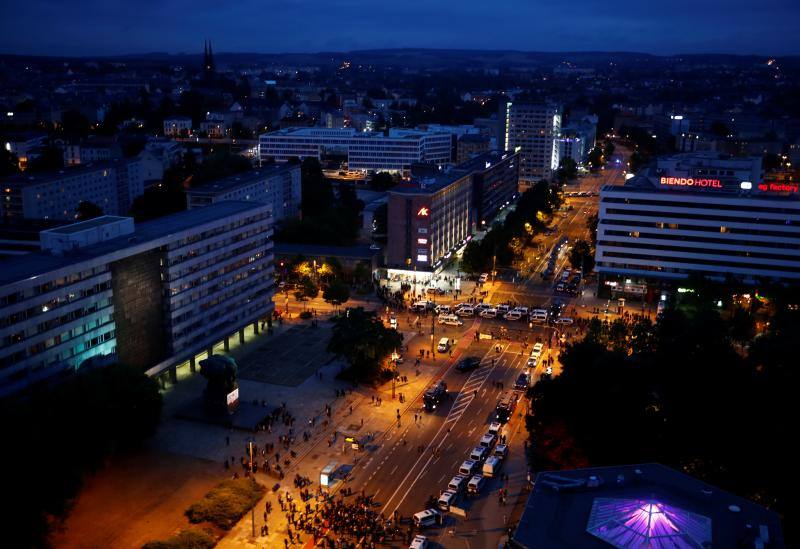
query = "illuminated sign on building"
{"x": 423, "y": 212}
{"x": 691, "y": 182}
{"x": 778, "y": 187}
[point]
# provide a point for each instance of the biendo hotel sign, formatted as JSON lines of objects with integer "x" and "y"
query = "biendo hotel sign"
{"x": 692, "y": 182}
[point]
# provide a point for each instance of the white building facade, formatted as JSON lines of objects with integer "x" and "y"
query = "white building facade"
{"x": 533, "y": 131}
{"x": 668, "y": 228}
{"x": 152, "y": 296}
{"x": 366, "y": 151}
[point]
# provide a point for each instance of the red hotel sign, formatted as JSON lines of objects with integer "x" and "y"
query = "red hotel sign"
{"x": 778, "y": 187}
{"x": 691, "y": 182}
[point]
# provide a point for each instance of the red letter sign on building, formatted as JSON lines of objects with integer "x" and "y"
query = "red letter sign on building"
{"x": 423, "y": 212}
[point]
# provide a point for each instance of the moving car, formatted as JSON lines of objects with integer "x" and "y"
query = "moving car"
{"x": 468, "y": 363}
{"x": 537, "y": 350}
{"x": 393, "y": 322}
{"x": 521, "y": 384}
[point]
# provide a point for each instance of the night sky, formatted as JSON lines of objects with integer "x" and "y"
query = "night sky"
{"x": 107, "y": 27}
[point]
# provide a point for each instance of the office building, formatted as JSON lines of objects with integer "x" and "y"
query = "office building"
{"x": 277, "y": 185}
{"x": 571, "y": 146}
{"x": 470, "y": 145}
{"x": 533, "y": 131}
{"x": 495, "y": 183}
{"x": 428, "y": 219}
{"x": 365, "y": 151}
{"x": 110, "y": 185}
{"x": 664, "y": 226}
{"x": 152, "y": 295}
{"x": 639, "y": 506}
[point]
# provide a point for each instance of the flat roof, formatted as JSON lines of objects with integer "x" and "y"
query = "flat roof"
{"x": 557, "y": 511}
{"x": 478, "y": 163}
{"x": 73, "y": 228}
{"x": 430, "y": 184}
{"x": 314, "y": 250}
{"x": 38, "y": 263}
{"x": 27, "y": 179}
{"x": 242, "y": 179}
{"x": 394, "y": 133}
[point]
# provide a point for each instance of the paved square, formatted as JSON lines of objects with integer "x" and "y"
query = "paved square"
{"x": 288, "y": 358}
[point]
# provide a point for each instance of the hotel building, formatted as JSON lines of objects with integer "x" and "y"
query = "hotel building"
{"x": 533, "y": 131}
{"x": 153, "y": 295}
{"x": 365, "y": 151}
{"x": 665, "y": 226}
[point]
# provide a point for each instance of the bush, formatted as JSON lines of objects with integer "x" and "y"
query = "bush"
{"x": 227, "y": 503}
{"x": 186, "y": 539}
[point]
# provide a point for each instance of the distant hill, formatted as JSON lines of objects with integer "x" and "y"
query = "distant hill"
{"x": 422, "y": 58}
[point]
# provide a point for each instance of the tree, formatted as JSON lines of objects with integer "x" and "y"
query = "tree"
{"x": 591, "y": 224}
{"x": 88, "y": 210}
{"x": 364, "y": 342}
{"x": 608, "y": 149}
{"x": 306, "y": 290}
{"x": 595, "y": 159}
{"x": 336, "y": 293}
{"x": 567, "y": 170}
{"x": 317, "y": 194}
{"x": 382, "y": 181}
{"x": 9, "y": 163}
{"x": 581, "y": 256}
{"x": 51, "y": 159}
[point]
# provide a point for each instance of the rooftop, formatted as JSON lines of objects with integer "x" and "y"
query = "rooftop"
{"x": 38, "y": 263}
{"x": 28, "y": 179}
{"x": 484, "y": 161}
{"x": 650, "y": 183}
{"x": 73, "y": 228}
{"x": 246, "y": 178}
{"x": 345, "y": 133}
{"x": 624, "y": 506}
{"x": 430, "y": 184}
{"x": 315, "y": 250}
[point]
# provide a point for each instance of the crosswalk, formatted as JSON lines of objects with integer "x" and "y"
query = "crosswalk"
{"x": 470, "y": 389}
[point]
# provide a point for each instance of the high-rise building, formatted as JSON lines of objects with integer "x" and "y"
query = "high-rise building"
{"x": 153, "y": 295}
{"x": 533, "y": 131}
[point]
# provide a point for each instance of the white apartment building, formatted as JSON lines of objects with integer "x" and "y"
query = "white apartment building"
{"x": 666, "y": 228}
{"x": 533, "y": 131}
{"x": 110, "y": 185}
{"x": 366, "y": 151}
{"x": 152, "y": 296}
{"x": 277, "y": 185}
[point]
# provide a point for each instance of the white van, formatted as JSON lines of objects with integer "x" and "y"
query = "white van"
{"x": 428, "y": 517}
{"x": 501, "y": 451}
{"x": 457, "y": 484}
{"x": 448, "y": 498}
{"x": 475, "y": 484}
{"x": 488, "y": 440}
{"x": 451, "y": 320}
{"x": 489, "y": 313}
{"x": 494, "y": 427}
{"x": 537, "y": 350}
{"x": 442, "y": 309}
{"x": 478, "y": 453}
{"x": 444, "y": 345}
{"x": 467, "y": 468}
{"x": 513, "y": 315}
{"x": 522, "y": 310}
{"x": 538, "y": 315}
{"x": 466, "y": 310}
{"x": 502, "y": 309}
{"x": 483, "y": 278}
{"x": 492, "y": 466}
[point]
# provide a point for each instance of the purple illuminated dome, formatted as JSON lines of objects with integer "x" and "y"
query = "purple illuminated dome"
{"x": 647, "y": 524}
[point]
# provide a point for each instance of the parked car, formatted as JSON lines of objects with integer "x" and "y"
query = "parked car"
{"x": 476, "y": 484}
{"x": 563, "y": 320}
{"x": 419, "y": 542}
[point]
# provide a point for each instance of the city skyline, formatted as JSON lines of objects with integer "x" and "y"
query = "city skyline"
{"x": 305, "y": 26}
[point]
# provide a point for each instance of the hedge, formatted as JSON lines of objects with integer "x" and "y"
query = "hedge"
{"x": 226, "y": 503}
